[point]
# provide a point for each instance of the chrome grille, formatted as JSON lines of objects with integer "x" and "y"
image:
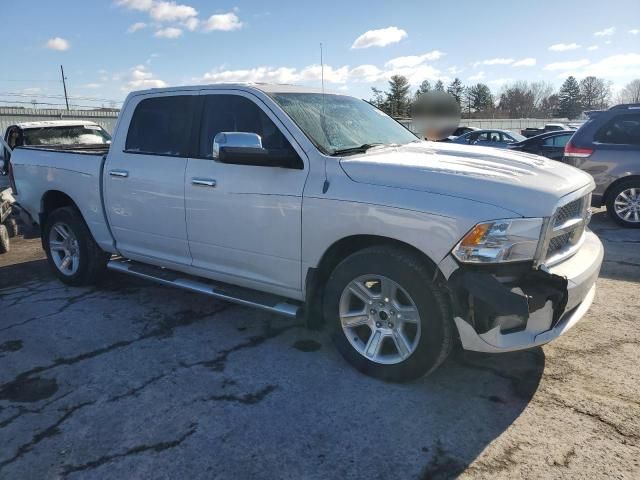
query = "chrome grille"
{"x": 568, "y": 211}
{"x": 558, "y": 243}
{"x": 566, "y": 229}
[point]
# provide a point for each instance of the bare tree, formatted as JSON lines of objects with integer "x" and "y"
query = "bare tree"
{"x": 594, "y": 93}
{"x": 630, "y": 93}
{"x": 540, "y": 91}
{"x": 517, "y": 100}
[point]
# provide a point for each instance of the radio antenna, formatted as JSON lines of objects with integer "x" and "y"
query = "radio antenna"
{"x": 322, "y": 70}
{"x": 325, "y": 186}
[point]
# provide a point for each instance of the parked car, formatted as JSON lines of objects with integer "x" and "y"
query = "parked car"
{"x": 57, "y": 133}
{"x": 549, "y": 127}
{"x": 319, "y": 206}
{"x": 457, "y": 132}
{"x": 608, "y": 147}
{"x": 550, "y": 145}
{"x": 489, "y": 138}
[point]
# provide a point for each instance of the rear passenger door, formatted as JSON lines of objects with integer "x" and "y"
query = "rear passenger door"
{"x": 244, "y": 221}
{"x": 144, "y": 179}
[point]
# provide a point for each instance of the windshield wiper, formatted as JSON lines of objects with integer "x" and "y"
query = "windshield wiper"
{"x": 361, "y": 149}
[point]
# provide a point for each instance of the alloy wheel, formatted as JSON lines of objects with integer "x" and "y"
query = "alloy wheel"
{"x": 64, "y": 248}
{"x": 627, "y": 205}
{"x": 380, "y": 319}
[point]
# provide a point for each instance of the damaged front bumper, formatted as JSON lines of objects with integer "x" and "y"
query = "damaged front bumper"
{"x": 502, "y": 311}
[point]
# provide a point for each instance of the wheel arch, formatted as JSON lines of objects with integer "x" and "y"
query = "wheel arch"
{"x": 52, "y": 200}
{"x": 316, "y": 277}
{"x": 614, "y": 184}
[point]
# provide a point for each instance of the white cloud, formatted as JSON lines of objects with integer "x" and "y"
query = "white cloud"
{"x": 495, "y": 61}
{"x": 171, "y": 11}
{"x": 525, "y": 62}
{"x": 477, "y": 77}
{"x": 312, "y": 73}
{"x": 564, "y": 47}
{"x": 607, "y": 32}
{"x": 257, "y": 74}
{"x": 366, "y": 73}
{"x": 191, "y": 24}
{"x": 140, "y": 78}
{"x": 414, "y": 60}
{"x": 634, "y": 31}
{"x": 565, "y": 66}
{"x": 136, "y": 26}
{"x": 593, "y": 47}
{"x": 225, "y": 22}
{"x": 57, "y": 43}
{"x": 379, "y": 38}
{"x": 141, "y": 5}
{"x": 498, "y": 82}
{"x": 625, "y": 65}
{"x": 92, "y": 86}
{"x": 454, "y": 70}
{"x": 169, "y": 32}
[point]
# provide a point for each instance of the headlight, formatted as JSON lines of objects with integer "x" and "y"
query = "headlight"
{"x": 509, "y": 240}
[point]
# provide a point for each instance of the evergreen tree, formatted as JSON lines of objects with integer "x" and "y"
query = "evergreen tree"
{"x": 480, "y": 97}
{"x": 398, "y": 96}
{"x": 569, "y": 103}
{"x": 424, "y": 87}
{"x": 439, "y": 86}
{"x": 456, "y": 89}
{"x": 378, "y": 99}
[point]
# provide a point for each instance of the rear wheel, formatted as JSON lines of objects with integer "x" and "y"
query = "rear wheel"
{"x": 388, "y": 319}
{"x": 71, "y": 250}
{"x": 623, "y": 204}
{"x": 12, "y": 226}
{"x": 4, "y": 239}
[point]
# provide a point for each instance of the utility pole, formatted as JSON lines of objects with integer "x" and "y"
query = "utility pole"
{"x": 64, "y": 85}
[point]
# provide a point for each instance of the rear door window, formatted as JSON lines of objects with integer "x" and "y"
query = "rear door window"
{"x": 161, "y": 126}
{"x": 620, "y": 130}
{"x": 557, "y": 141}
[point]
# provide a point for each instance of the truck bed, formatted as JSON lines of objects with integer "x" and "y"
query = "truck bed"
{"x": 74, "y": 172}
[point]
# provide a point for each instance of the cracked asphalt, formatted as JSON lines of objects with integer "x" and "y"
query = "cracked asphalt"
{"x": 134, "y": 380}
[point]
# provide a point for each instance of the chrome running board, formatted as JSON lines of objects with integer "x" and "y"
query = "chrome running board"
{"x": 222, "y": 291}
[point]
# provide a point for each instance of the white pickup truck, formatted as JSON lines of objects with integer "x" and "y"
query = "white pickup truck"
{"x": 319, "y": 205}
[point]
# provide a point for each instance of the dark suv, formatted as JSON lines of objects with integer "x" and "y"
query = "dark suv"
{"x": 608, "y": 147}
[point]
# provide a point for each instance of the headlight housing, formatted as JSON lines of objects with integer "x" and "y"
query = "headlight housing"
{"x": 508, "y": 240}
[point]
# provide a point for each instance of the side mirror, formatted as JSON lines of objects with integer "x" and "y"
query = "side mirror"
{"x": 241, "y": 148}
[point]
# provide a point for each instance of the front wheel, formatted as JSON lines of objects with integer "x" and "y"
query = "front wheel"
{"x": 623, "y": 204}
{"x": 388, "y": 319}
{"x": 71, "y": 250}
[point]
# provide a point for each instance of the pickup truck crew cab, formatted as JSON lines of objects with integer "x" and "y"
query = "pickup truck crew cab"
{"x": 305, "y": 203}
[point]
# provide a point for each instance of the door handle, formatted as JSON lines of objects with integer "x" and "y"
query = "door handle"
{"x": 119, "y": 173}
{"x": 204, "y": 182}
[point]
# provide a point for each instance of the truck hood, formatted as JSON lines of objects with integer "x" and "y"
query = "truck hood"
{"x": 525, "y": 184}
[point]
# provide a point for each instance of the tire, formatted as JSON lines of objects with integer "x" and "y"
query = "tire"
{"x": 87, "y": 261}
{"x": 624, "y": 201}
{"x": 428, "y": 336}
{"x": 4, "y": 239}
{"x": 12, "y": 227}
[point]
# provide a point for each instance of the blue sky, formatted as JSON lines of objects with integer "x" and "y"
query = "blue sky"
{"x": 110, "y": 47}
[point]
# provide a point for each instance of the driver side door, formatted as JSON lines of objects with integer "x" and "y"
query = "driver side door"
{"x": 244, "y": 221}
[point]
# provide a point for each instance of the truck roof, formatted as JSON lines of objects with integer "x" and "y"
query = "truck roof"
{"x": 54, "y": 123}
{"x": 264, "y": 87}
